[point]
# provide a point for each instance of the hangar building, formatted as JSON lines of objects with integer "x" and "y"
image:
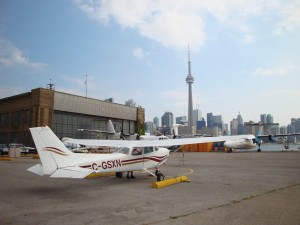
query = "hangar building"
{"x": 64, "y": 113}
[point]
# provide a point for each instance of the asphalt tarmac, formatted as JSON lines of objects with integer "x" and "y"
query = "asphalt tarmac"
{"x": 237, "y": 188}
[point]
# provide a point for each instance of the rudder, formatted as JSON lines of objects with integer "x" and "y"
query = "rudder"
{"x": 51, "y": 150}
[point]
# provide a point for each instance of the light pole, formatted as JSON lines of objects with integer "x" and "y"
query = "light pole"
{"x": 86, "y": 85}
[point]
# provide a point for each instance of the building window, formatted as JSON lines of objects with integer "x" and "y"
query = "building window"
{"x": 16, "y": 118}
{"x": 28, "y": 117}
{"x": 4, "y": 118}
{"x": 4, "y": 138}
{"x": 67, "y": 124}
{"x": 15, "y": 137}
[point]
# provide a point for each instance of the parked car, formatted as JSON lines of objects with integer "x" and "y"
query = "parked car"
{"x": 3, "y": 149}
{"x": 32, "y": 150}
{"x": 21, "y": 146}
{"x": 24, "y": 149}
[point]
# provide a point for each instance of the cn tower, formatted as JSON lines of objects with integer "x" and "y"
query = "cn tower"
{"x": 190, "y": 80}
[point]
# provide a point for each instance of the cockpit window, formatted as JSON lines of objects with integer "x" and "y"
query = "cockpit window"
{"x": 123, "y": 150}
{"x": 137, "y": 151}
{"x": 148, "y": 150}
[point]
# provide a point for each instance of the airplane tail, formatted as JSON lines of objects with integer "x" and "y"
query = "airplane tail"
{"x": 55, "y": 157}
{"x": 110, "y": 127}
{"x": 260, "y": 130}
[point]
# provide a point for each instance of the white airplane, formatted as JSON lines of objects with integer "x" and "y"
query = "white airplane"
{"x": 271, "y": 137}
{"x": 242, "y": 143}
{"x": 112, "y": 134}
{"x": 58, "y": 161}
{"x": 152, "y": 137}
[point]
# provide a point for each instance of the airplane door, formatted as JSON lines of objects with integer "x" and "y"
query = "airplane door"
{"x": 149, "y": 157}
{"x": 136, "y": 161}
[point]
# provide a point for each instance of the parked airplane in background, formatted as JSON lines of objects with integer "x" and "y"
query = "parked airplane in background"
{"x": 58, "y": 161}
{"x": 257, "y": 141}
{"x": 241, "y": 143}
{"x": 113, "y": 135}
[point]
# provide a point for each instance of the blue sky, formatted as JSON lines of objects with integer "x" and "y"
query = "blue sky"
{"x": 244, "y": 54}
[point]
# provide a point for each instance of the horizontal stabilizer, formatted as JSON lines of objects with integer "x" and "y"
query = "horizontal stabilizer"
{"x": 37, "y": 169}
{"x": 71, "y": 172}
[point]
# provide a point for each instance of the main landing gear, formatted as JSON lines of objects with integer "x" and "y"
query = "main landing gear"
{"x": 258, "y": 150}
{"x": 159, "y": 175}
{"x": 119, "y": 174}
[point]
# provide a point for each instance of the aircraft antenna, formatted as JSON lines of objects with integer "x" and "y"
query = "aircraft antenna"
{"x": 51, "y": 86}
{"x": 86, "y": 85}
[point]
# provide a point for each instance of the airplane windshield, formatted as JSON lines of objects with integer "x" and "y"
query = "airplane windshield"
{"x": 123, "y": 150}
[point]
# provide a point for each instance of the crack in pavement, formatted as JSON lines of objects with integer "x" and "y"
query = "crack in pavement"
{"x": 233, "y": 202}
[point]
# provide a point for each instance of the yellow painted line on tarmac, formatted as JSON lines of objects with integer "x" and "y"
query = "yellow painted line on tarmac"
{"x": 190, "y": 171}
{"x": 6, "y": 159}
{"x": 96, "y": 175}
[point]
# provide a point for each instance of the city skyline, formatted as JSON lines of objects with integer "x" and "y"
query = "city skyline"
{"x": 235, "y": 118}
{"x": 244, "y": 54}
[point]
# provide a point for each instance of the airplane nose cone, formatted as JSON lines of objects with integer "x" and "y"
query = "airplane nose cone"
{"x": 167, "y": 152}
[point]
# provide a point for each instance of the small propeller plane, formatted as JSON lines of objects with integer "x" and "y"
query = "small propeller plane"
{"x": 58, "y": 161}
{"x": 271, "y": 137}
{"x": 112, "y": 134}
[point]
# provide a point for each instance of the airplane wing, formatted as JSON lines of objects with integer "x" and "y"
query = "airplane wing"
{"x": 158, "y": 143}
{"x": 95, "y": 131}
{"x": 277, "y": 135}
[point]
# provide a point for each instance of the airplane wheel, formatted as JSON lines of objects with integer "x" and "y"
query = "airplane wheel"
{"x": 119, "y": 174}
{"x": 156, "y": 172}
{"x": 160, "y": 177}
{"x": 258, "y": 150}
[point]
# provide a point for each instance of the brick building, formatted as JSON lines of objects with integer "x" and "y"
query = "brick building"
{"x": 64, "y": 113}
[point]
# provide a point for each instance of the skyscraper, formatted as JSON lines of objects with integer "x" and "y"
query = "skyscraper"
{"x": 156, "y": 122}
{"x": 263, "y": 118}
{"x": 234, "y": 127}
{"x": 270, "y": 118}
{"x": 197, "y": 116}
{"x": 181, "y": 120}
{"x": 209, "y": 119}
{"x": 190, "y": 80}
{"x": 240, "y": 124}
{"x": 167, "y": 119}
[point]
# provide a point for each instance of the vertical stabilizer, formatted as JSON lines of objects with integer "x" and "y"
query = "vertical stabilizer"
{"x": 110, "y": 127}
{"x": 53, "y": 153}
{"x": 260, "y": 131}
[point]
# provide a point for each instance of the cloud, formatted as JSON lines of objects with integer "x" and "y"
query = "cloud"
{"x": 248, "y": 38}
{"x": 274, "y": 72}
{"x": 138, "y": 53}
{"x": 11, "y": 56}
{"x": 290, "y": 14}
{"x": 170, "y": 23}
{"x": 176, "y": 24}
